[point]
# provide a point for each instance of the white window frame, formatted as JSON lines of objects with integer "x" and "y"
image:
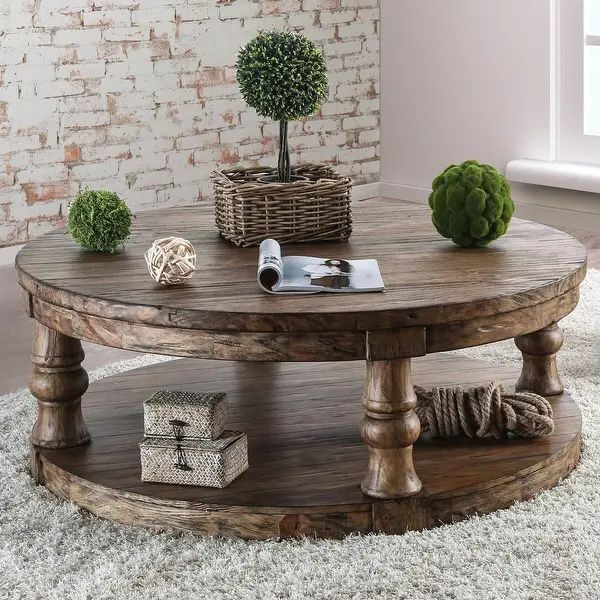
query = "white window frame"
{"x": 573, "y": 144}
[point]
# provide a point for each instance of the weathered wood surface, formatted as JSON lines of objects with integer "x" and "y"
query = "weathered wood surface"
{"x": 306, "y": 454}
{"x": 303, "y": 346}
{"x": 390, "y": 427}
{"x": 540, "y": 371}
{"x": 429, "y": 280}
{"x": 58, "y": 381}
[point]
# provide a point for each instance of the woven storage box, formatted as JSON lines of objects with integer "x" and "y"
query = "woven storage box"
{"x": 248, "y": 211}
{"x": 211, "y": 463}
{"x": 173, "y": 413}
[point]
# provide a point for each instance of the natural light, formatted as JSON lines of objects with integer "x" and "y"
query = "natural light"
{"x": 592, "y": 68}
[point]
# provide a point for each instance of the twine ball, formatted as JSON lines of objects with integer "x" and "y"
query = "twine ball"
{"x": 171, "y": 260}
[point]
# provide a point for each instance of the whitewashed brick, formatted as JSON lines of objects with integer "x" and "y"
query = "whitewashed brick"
{"x": 143, "y": 16}
{"x": 82, "y": 104}
{"x": 363, "y": 59}
{"x": 182, "y": 194}
{"x": 106, "y": 18}
{"x": 109, "y": 85}
{"x": 81, "y": 71}
{"x": 359, "y": 29}
{"x": 327, "y": 155}
{"x": 176, "y": 95}
{"x": 126, "y": 34}
{"x": 328, "y": 17}
{"x": 237, "y": 135}
{"x": 368, "y": 105}
{"x": 120, "y": 151}
{"x": 153, "y": 179}
{"x": 370, "y": 167}
{"x": 359, "y": 3}
{"x": 356, "y": 90}
{"x": 75, "y": 37}
{"x": 242, "y": 11}
{"x": 356, "y": 154}
{"x": 122, "y": 133}
{"x": 362, "y": 122}
{"x": 85, "y": 119}
{"x": 57, "y": 19}
{"x": 210, "y": 138}
{"x": 140, "y": 97}
{"x": 11, "y": 56}
{"x": 178, "y": 64}
{"x": 28, "y": 72}
{"x": 316, "y": 125}
{"x": 26, "y": 39}
{"x": 98, "y": 170}
{"x": 83, "y": 137}
{"x": 320, "y": 4}
{"x": 155, "y": 161}
{"x": 342, "y": 48}
{"x": 60, "y": 88}
{"x": 43, "y": 174}
{"x": 337, "y": 108}
{"x": 369, "y": 136}
{"x": 151, "y": 83}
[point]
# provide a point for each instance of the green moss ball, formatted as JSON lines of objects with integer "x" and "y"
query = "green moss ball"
{"x": 471, "y": 204}
{"x": 99, "y": 220}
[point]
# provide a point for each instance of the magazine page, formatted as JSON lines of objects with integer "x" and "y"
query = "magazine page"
{"x": 309, "y": 274}
{"x": 270, "y": 266}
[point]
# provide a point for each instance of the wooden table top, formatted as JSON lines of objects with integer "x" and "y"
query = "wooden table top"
{"x": 429, "y": 280}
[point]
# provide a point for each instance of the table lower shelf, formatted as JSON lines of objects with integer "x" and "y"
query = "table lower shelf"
{"x": 306, "y": 455}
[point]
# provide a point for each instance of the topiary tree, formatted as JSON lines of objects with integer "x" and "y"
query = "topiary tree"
{"x": 283, "y": 76}
{"x": 99, "y": 220}
{"x": 471, "y": 204}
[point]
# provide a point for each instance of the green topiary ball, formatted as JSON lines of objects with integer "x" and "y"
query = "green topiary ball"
{"x": 282, "y": 74}
{"x": 99, "y": 220}
{"x": 471, "y": 204}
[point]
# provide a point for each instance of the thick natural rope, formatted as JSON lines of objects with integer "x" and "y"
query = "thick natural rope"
{"x": 486, "y": 411}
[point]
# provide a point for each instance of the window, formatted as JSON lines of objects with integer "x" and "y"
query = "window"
{"x": 578, "y": 80}
{"x": 592, "y": 67}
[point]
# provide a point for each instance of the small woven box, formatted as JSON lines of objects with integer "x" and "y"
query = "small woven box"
{"x": 210, "y": 463}
{"x": 174, "y": 413}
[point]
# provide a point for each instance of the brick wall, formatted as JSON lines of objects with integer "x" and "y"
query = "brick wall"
{"x": 140, "y": 97}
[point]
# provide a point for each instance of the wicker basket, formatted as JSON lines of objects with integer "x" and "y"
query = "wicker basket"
{"x": 248, "y": 210}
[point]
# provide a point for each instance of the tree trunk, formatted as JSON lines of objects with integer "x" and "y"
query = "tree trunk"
{"x": 284, "y": 167}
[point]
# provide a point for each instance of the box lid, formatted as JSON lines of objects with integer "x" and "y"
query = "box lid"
{"x": 180, "y": 397}
{"x": 225, "y": 439}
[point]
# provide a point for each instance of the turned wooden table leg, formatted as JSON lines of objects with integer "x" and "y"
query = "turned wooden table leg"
{"x": 540, "y": 373}
{"x": 390, "y": 428}
{"x": 58, "y": 381}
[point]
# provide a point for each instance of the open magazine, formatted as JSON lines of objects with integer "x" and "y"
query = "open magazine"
{"x": 309, "y": 275}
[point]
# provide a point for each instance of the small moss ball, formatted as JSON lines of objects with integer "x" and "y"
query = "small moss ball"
{"x": 471, "y": 204}
{"x": 99, "y": 220}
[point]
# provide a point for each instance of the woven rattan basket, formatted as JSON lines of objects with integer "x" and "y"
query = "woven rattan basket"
{"x": 248, "y": 210}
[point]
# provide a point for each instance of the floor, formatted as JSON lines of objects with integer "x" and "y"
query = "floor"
{"x": 15, "y": 327}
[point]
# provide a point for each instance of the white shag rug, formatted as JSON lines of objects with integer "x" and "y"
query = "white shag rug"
{"x": 546, "y": 548}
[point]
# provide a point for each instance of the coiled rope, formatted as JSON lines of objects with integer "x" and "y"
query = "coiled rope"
{"x": 486, "y": 411}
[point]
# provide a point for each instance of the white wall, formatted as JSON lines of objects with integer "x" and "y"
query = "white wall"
{"x": 466, "y": 79}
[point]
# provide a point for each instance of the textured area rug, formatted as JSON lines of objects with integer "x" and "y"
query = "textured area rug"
{"x": 546, "y": 548}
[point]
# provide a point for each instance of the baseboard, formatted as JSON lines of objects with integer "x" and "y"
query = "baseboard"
{"x": 558, "y": 217}
{"x": 531, "y": 203}
{"x": 399, "y": 191}
{"x": 366, "y": 190}
{"x": 7, "y": 254}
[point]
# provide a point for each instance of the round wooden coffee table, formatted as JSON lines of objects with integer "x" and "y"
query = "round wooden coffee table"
{"x": 300, "y": 409}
